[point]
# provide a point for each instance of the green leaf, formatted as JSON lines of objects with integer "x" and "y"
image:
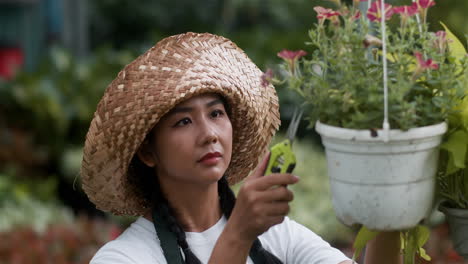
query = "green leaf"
{"x": 424, "y": 255}
{"x": 451, "y": 168}
{"x": 409, "y": 248}
{"x": 413, "y": 241}
{"x": 456, "y": 146}
{"x": 422, "y": 235}
{"x": 456, "y": 47}
{"x": 464, "y": 188}
{"x": 463, "y": 111}
{"x": 364, "y": 236}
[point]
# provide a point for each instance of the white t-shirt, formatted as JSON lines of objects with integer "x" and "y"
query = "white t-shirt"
{"x": 289, "y": 241}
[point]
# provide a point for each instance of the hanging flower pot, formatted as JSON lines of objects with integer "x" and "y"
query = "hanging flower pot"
{"x": 382, "y": 185}
{"x": 458, "y": 223}
{"x": 361, "y": 75}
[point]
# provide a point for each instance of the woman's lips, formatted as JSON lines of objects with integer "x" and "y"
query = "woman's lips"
{"x": 211, "y": 158}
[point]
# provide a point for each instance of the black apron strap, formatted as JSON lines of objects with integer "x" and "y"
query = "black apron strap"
{"x": 168, "y": 239}
{"x": 171, "y": 249}
{"x": 255, "y": 255}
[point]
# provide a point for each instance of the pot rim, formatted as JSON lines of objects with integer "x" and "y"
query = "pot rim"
{"x": 394, "y": 134}
{"x": 460, "y": 212}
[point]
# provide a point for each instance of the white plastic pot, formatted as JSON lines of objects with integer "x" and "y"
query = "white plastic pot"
{"x": 382, "y": 185}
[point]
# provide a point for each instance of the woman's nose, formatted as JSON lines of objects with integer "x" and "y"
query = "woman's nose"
{"x": 211, "y": 138}
{"x": 208, "y": 134}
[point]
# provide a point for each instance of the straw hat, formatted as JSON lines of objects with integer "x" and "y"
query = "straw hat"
{"x": 175, "y": 69}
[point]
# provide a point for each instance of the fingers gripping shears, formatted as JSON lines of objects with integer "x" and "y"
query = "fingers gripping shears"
{"x": 282, "y": 158}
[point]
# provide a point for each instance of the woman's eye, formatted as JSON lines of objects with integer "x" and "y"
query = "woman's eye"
{"x": 217, "y": 113}
{"x": 183, "y": 122}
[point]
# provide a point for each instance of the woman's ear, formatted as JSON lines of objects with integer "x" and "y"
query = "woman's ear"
{"x": 145, "y": 155}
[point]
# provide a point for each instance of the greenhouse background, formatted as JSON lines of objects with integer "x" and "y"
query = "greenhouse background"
{"x": 56, "y": 59}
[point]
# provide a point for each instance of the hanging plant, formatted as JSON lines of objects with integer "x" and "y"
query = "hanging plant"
{"x": 362, "y": 78}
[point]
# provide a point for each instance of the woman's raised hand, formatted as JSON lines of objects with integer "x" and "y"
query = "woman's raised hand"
{"x": 262, "y": 202}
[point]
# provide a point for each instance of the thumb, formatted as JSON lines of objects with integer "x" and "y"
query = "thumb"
{"x": 261, "y": 167}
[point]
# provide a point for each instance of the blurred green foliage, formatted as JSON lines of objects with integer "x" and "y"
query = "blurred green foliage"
{"x": 312, "y": 204}
{"x": 30, "y": 203}
{"x": 260, "y": 27}
{"x": 56, "y": 103}
{"x": 13, "y": 189}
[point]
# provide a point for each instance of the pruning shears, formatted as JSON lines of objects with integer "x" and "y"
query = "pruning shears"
{"x": 282, "y": 158}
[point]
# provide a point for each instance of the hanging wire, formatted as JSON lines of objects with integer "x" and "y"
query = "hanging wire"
{"x": 386, "y": 124}
{"x": 418, "y": 19}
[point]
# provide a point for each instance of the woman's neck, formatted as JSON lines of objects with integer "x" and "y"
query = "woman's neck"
{"x": 195, "y": 208}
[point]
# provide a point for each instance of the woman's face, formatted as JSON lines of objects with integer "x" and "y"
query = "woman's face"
{"x": 193, "y": 142}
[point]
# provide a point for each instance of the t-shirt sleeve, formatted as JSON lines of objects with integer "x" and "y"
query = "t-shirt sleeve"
{"x": 112, "y": 253}
{"x": 293, "y": 243}
{"x": 120, "y": 252}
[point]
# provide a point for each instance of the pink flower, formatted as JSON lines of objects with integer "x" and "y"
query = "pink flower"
{"x": 440, "y": 42}
{"x": 441, "y": 34}
{"x": 326, "y": 13}
{"x": 356, "y": 16}
{"x": 267, "y": 77}
{"x": 291, "y": 57}
{"x": 406, "y": 11}
{"x": 375, "y": 14}
{"x": 424, "y": 4}
{"x": 425, "y": 64}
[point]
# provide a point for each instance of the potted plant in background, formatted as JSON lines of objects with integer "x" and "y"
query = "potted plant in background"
{"x": 452, "y": 176}
{"x": 381, "y": 178}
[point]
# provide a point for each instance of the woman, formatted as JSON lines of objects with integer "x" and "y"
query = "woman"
{"x": 172, "y": 131}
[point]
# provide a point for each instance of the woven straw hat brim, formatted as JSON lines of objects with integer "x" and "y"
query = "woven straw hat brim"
{"x": 175, "y": 69}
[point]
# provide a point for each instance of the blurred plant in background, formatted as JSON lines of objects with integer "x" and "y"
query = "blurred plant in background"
{"x": 61, "y": 243}
{"x": 30, "y": 204}
{"x": 44, "y": 116}
{"x": 312, "y": 204}
{"x": 36, "y": 228}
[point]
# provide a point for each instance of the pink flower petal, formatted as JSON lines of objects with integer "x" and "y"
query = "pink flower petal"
{"x": 425, "y": 3}
{"x": 425, "y": 64}
{"x": 323, "y": 13}
{"x": 441, "y": 34}
{"x": 291, "y": 55}
{"x": 419, "y": 57}
{"x": 267, "y": 77}
{"x": 374, "y": 13}
{"x": 406, "y": 10}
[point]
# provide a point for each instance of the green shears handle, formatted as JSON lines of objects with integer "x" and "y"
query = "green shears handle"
{"x": 282, "y": 158}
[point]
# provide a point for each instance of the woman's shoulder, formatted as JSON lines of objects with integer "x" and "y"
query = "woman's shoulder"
{"x": 295, "y": 243}
{"x": 289, "y": 228}
{"x": 137, "y": 244}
